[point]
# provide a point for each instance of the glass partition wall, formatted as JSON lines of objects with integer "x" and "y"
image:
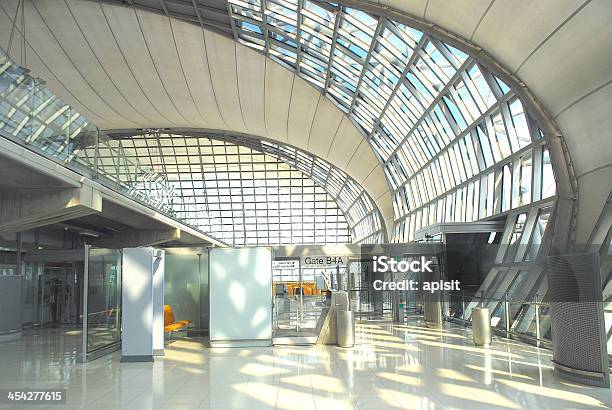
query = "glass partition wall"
{"x": 101, "y": 302}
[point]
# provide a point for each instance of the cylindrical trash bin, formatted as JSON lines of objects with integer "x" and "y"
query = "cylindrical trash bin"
{"x": 345, "y": 322}
{"x": 481, "y": 327}
{"x": 433, "y": 314}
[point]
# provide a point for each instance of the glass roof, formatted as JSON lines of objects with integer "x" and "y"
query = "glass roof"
{"x": 440, "y": 122}
{"x": 29, "y": 110}
{"x": 248, "y": 192}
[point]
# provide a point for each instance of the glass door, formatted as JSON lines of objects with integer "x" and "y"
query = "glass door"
{"x": 301, "y": 296}
{"x": 285, "y": 292}
{"x": 32, "y": 273}
{"x": 60, "y": 293}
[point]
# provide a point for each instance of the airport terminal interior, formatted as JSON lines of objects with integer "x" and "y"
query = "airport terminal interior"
{"x": 305, "y": 204}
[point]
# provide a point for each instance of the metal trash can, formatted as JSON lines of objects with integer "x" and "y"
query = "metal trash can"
{"x": 481, "y": 327}
{"x": 432, "y": 312}
{"x": 345, "y": 322}
{"x": 402, "y": 313}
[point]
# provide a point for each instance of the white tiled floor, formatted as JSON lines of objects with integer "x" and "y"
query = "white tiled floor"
{"x": 401, "y": 366}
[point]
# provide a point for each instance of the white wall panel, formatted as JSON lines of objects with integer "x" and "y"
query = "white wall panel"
{"x": 7, "y": 13}
{"x": 279, "y": 85}
{"x": 137, "y": 304}
{"x": 159, "y": 272}
{"x": 376, "y": 183}
{"x": 593, "y": 191}
{"x": 573, "y": 62}
{"x": 95, "y": 30}
{"x": 591, "y": 119}
{"x": 41, "y": 70}
{"x": 362, "y": 163}
{"x": 458, "y": 16}
{"x": 345, "y": 143}
{"x": 518, "y": 37}
{"x": 74, "y": 44}
{"x": 129, "y": 37}
{"x": 414, "y": 7}
{"x": 240, "y": 295}
{"x": 54, "y": 56}
{"x": 192, "y": 52}
{"x": 385, "y": 205}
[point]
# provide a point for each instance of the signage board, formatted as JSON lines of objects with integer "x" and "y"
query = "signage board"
{"x": 286, "y": 264}
{"x": 323, "y": 261}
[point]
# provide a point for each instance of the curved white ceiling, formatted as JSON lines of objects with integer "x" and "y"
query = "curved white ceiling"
{"x": 559, "y": 48}
{"x": 123, "y": 68}
{"x": 562, "y": 51}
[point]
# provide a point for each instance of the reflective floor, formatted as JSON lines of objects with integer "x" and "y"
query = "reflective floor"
{"x": 401, "y": 366}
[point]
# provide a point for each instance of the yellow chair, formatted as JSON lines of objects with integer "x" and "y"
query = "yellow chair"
{"x": 170, "y": 322}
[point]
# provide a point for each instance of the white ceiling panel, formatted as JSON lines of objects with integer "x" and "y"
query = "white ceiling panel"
{"x": 324, "y": 127}
{"x": 221, "y": 54}
{"x": 251, "y": 85}
{"x": 279, "y": 86}
{"x": 192, "y": 52}
{"x": 159, "y": 41}
{"x": 304, "y": 101}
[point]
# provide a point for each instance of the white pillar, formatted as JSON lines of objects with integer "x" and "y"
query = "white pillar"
{"x": 158, "y": 303}
{"x": 137, "y": 305}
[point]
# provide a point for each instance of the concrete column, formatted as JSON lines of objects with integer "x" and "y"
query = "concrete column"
{"x": 158, "y": 302}
{"x": 137, "y": 305}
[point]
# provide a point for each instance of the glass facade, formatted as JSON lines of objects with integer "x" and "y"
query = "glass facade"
{"x": 361, "y": 213}
{"x": 238, "y": 195}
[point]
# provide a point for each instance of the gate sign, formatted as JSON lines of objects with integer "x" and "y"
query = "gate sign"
{"x": 323, "y": 261}
{"x": 286, "y": 264}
